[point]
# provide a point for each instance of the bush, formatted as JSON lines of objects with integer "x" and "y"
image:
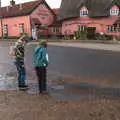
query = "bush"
{"x": 43, "y": 37}
{"x": 9, "y": 37}
{"x": 13, "y": 37}
{"x": 98, "y": 36}
{"x": 23, "y": 34}
{"x": 80, "y": 34}
{"x": 109, "y": 37}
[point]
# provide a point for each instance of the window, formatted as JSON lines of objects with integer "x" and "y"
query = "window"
{"x": 81, "y": 28}
{"x": 83, "y": 12}
{"x": 5, "y": 30}
{"x": 114, "y": 12}
{"x": 115, "y": 27}
{"x": 110, "y": 28}
{"x": 57, "y": 30}
{"x": 54, "y": 30}
{"x": 118, "y": 27}
{"x": 69, "y": 31}
{"x": 21, "y": 28}
{"x": 65, "y": 32}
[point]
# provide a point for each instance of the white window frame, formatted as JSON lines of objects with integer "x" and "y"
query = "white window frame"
{"x": 82, "y": 12}
{"x": 21, "y": 28}
{"x": 114, "y": 12}
{"x": 5, "y": 29}
{"x": 82, "y": 27}
{"x": 109, "y": 28}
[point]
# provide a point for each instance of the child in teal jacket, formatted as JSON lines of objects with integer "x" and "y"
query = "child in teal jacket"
{"x": 40, "y": 60}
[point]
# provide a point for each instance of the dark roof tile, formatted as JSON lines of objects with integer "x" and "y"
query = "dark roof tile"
{"x": 96, "y": 8}
{"x": 19, "y": 9}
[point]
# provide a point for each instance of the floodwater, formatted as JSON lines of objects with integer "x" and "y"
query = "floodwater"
{"x": 65, "y": 62}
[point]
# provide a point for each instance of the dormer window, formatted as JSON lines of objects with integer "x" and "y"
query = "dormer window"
{"x": 83, "y": 12}
{"x": 114, "y": 12}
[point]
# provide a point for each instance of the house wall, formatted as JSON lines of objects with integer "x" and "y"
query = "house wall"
{"x": 13, "y": 25}
{"x": 43, "y": 14}
{"x": 71, "y": 25}
{"x": 55, "y": 30}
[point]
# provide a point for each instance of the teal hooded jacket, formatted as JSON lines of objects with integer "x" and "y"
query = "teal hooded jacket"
{"x": 39, "y": 57}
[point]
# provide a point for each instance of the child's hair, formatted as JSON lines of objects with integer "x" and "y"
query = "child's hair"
{"x": 24, "y": 38}
{"x": 43, "y": 43}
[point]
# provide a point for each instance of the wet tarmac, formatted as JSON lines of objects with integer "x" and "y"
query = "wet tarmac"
{"x": 88, "y": 62}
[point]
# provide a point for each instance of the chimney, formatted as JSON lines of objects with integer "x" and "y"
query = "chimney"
{"x": 7, "y": 8}
{"x": 12, "y": 2}
{"x": 20, "y": 6}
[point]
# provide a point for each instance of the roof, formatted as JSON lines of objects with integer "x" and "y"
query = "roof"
{"x": 56, "y": 11}
{"x": 21, "y": 9}
{"x": 35, "y": 21}
{"x": 117, "y": 21}
{"x": 96, "y": 8}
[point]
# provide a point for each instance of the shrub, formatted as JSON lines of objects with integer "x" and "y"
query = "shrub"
{"x": 80, "y": 34}
{"x": 13, "y": 37}
{"x": 109, "y": 37}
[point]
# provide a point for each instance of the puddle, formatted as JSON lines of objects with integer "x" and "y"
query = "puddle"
{"x": 82, "y": 90}
{"x": 8, "y": 83}
{"x": 61, "y": 91}
{"x": 57, "y": 87}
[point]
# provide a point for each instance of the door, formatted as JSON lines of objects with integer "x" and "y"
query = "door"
{"x": 34, "y": 33}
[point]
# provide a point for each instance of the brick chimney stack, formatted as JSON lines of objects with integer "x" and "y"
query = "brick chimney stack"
{"x": 12, "y": 2}
{"x": 20, "y": 6}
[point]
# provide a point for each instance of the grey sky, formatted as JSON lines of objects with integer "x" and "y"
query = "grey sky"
{"x": 52, "y": 3}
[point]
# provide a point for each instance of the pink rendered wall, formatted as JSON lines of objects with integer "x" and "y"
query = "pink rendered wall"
{"x": 43, "y": 14}
{"x": 83, "y": 8}
{"x": 13, "y": 25}
{"x": 114, "y": 7}
{"x": 56, "y": 32}
{"x": 99, "y": 23}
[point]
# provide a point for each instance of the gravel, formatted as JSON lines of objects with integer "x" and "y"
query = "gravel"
{"x": 18, "y": 105}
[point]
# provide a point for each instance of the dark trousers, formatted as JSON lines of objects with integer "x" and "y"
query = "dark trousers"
{"x": 41, "y": 74}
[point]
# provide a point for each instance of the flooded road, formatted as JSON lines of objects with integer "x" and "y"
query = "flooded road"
{"x": 67, "y": 62}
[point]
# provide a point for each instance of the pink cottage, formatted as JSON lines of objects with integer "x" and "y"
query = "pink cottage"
{"x": 101, "y": 14}
{"x": 32, "y": 18}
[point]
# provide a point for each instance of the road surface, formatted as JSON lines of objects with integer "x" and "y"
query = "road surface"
{"x": 67, "y": 62}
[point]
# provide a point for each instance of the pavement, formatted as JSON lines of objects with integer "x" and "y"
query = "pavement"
{"x": 68, "y": 60}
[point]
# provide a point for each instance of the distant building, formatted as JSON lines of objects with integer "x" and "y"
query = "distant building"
{"x": 32, "y": 18}
{"x": 101, "y": 14}
{"x": 56, "y": 28}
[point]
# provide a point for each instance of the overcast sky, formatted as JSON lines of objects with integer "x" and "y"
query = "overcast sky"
{"x": 52, "y": 3}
